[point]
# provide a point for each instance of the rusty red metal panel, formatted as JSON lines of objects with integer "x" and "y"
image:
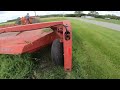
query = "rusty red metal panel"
{"x": 31, "y": 43}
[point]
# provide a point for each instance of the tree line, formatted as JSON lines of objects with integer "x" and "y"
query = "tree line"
{"x": 79, "y": 14}
{"x": 96, "y": 15}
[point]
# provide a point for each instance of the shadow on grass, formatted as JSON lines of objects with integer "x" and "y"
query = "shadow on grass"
{"x": 44, "y": 67}
{"x": 42, "y": 58}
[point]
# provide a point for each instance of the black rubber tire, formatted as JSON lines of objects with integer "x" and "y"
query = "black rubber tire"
{"x": 18, "y": 21}
{"x": 57, "y": 53}
{"x": 35, "y": 20}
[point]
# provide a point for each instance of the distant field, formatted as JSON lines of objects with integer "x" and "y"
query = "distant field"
{"x": 110, "y": 21}
{"x": 6, "y": 23}
{"x": 41, "y": 20}
{"x": 96, "y": 55}
{"x": 52, "y": 19}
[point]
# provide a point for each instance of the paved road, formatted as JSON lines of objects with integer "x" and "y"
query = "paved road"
{"x": 103, "y": 24}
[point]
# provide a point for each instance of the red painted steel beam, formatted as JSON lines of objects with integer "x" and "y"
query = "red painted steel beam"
{"x": 67, "y": 44}
{"x": 29, "y": 27}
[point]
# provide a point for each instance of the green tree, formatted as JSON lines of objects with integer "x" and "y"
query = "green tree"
{"x": 93, "y": 13}
{"x": 96, "y": 13}
{"x": 78, "y": 13}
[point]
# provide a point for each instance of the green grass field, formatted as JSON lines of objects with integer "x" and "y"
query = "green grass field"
{"x": 6, "y": 23}
{"x": 110, "y": 21}
{"x": 96, "y": 55}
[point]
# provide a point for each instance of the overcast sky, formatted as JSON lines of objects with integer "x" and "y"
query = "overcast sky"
{"x": 8, "y": 15}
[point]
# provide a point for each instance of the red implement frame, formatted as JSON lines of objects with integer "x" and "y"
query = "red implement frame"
{"x": 61, "y": 30}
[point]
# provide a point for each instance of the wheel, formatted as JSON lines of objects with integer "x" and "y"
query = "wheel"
{"x": 57, "y": 53}
{"x": 35, "y": 20}
{"x": 18, "y": 21}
